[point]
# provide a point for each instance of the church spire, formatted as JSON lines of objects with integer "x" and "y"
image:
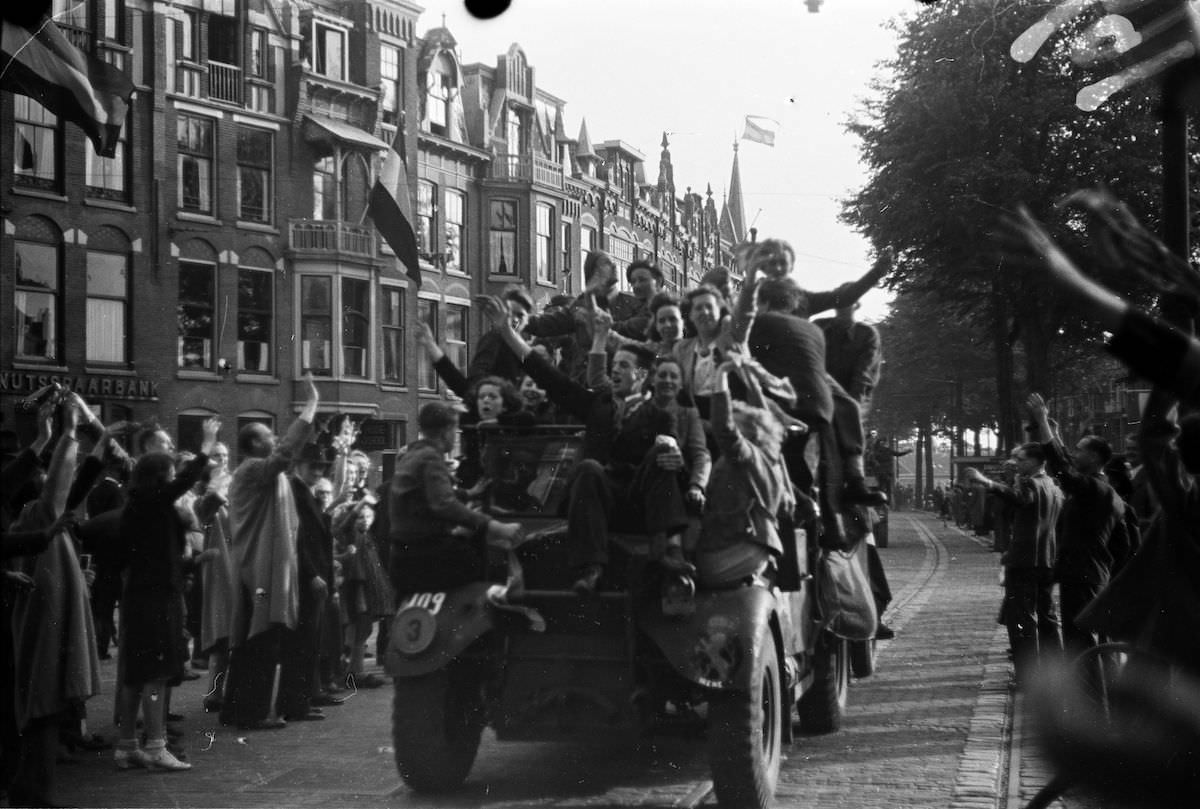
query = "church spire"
{"x": 735, "y": 205}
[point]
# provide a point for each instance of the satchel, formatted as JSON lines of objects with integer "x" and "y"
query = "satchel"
{"x": 844, "y": 593}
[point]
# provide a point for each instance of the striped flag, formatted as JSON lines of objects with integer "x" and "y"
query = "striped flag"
{"x": 38, "y": 61}
{"x": 760, "y": 130}
{"x": 390, "y": 207}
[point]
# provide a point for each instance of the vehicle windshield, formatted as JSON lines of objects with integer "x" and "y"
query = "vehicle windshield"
{"x": 528, "y": 467}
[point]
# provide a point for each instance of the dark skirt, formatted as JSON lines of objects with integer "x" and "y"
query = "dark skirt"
{"x": 367, "y": 592}
{"x": 153, "y": 645}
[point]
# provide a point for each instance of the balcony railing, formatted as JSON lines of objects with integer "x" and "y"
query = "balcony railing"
{"x": 519, "y": 168}
{"x": 332, "y": 236}
{"x": 225, "y": 82}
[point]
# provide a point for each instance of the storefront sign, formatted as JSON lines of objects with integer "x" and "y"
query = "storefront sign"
{"x": 114, "y": 387}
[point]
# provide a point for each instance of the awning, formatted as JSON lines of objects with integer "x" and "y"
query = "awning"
{"x": 326, "y": 130}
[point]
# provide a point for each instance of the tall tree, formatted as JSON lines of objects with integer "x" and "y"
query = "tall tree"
{"x": 957, "y": 135}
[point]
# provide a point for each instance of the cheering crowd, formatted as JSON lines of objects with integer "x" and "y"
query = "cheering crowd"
{"x": 700, "y": 409}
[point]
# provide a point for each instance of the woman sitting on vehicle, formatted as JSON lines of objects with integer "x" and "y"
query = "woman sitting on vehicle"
{"x": 748, "y": 489}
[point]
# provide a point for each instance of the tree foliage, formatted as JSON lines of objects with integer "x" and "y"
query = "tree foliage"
{"x": 957, "y": 135}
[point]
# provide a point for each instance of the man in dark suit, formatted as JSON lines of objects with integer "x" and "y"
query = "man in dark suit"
{"x": 791, "y": 346}
{"x": 626, "y": 480}
{"x": 298, "y": 682}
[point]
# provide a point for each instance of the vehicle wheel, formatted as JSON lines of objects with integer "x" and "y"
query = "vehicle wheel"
{"x": 821, "y": 706}
{"x": 745, "y": 734}
{"x": 437, "y": 721}
{"x": 862, "y": 658}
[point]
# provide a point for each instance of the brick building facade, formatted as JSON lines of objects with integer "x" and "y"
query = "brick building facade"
{"x": 225, "y": 250}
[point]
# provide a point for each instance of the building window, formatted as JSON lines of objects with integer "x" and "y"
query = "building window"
{"x": 256, "y": 305}
{"x": 107, "y": 307}
{"x": 564, "y": 245}
{"x": 110, "y": 20}
{"x": 514, "y": 130}
{"x": 254, "y": 148}
{"x": 455, "y": 219}
{"x": 35, "y": 152}
{"x": 545, "y": 243}
{"x": 455, "y": 341}
{"x": 195, "y": 144}
{"x": 427, "y": 379}
{"x": 37, "y": 300}
{"x": 324, "y": 189}
{"x": 329, "y": 56}
{"x": 622, "y": 254}
{"x": 587, "y": 243}
{"x": 502, "y": 236}
{"x": 196, "y": 314}
{"x": 316, "y": 324}
{"x": 224, "y": 41}
{"x": 66, "y": 13}
{"x": 440, "y": 85}
{"x": 425, "y": 211}
{"x": 187, "y": 36}
{"x": 356, "y": 327}
{"x": 390, "y": 60}
{"x": 107, "y": 177}
{"x": 260, "y": 53}
{"x": 392, "y": 320}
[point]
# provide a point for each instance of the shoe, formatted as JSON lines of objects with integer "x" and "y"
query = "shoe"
{"x": 199, "y": 664}
{"x": 263, "y": 724}
{"x": 175, "y": 717}
{"x": 585, "y": 585}
{"x": 333, "y": 688}
{"x": 855, "y": 492}
{"x": 369, "y": 681}
{"x": 326, "y": 700}
{"x": 92, "y": 742}
{"x": 311, "y": 716}
{"x": 129, "y": 758}
{"x": 213, "y": 704}
{"x": 190, "y": 675}
{"x": 884, "y": 632}
{"x": 162, "y": 759}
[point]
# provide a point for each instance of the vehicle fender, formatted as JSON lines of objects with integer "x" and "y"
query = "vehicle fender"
{"x": 429, "y": 630}
{"x": 712, "y": 647}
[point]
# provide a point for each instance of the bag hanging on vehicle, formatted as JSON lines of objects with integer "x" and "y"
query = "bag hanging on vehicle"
{"x": 844, "y": 593}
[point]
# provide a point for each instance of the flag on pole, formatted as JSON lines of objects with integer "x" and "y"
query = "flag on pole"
{"x": 760, "y": 130}
{"x": 38, "y": 61}
{"x": 390, "y": 207}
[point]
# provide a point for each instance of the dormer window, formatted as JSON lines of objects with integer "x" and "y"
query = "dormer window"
{"x": 329, "y": 51}
{"x": 440, "y": 85}
{"x": 515, "y": 133}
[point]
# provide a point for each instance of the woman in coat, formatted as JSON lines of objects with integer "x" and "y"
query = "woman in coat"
{"x": 153, "y": 649}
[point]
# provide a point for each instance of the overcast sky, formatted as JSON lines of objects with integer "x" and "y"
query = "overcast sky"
{"x": 696, "y": 68}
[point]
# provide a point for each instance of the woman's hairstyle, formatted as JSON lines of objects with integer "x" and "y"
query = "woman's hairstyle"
{"x": 152, "y": 471}
{"x": 765, "y": 430}
{"x": 688, "y": 297}
{"x": 359, "y": 458}
{"x": 509, "y": 394}
{"x": 777, "y": 246}
{"x": 657, "y": 302}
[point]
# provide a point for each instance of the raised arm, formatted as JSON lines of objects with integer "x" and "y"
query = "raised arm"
{"x": 298, "y": 434}
{"x": 446, "y": 370}
{"x": 61, "y": 468}
{"x": 560, "y": 389}
{"x": 850, "y": 291}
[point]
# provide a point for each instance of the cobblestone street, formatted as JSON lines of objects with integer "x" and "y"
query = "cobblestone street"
{"x": 930, "y": 729}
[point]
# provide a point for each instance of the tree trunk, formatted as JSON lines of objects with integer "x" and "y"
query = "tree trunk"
{"x": 1006, "y": 413}
{"x": 928, "y": 455}
{"x": 918, "y": 478}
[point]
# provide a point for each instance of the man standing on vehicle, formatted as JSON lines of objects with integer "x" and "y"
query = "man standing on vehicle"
{"x": 1029, "y": 561}
{"x": 437, "y": 541}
